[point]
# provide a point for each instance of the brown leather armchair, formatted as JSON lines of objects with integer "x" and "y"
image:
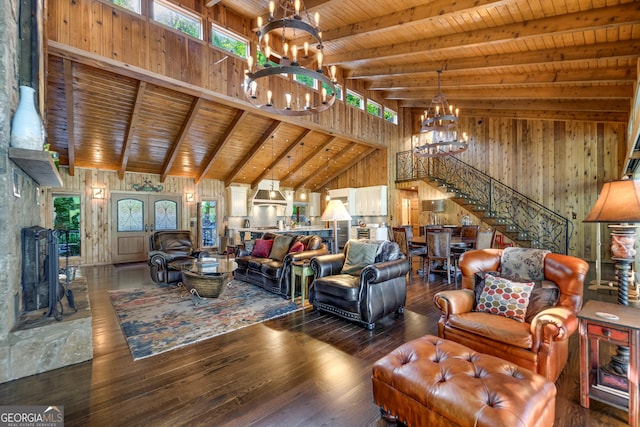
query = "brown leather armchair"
{"x": 541, "y": 345}
{"x": 166, "y": 247}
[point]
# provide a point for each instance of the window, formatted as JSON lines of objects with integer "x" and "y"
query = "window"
{"x": 305, "y": 80}
{"x": 354, "y": 99}
{"x": 390, "y": 116}
{"x": 208, "y": 223}
{"x": 66, "y": 219}
{"x": 177, "y": 19}
{"x": 262, "y": 60}
{"x": 374, "y": 108}
{"x": 132, "y": 5}
{"x": 330, "y": 92}
{"x": 227, "y": 41}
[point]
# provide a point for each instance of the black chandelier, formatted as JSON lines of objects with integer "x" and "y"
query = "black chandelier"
{"x": 439, "y": 133}
{"x": 296, "y": 62}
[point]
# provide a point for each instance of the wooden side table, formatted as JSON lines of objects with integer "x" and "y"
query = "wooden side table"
{"x": 596, "y": 326}
{"x": 302, "y": 270}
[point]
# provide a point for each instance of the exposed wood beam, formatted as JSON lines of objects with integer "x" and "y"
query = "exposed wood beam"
{"x": 283, "y": 155}
{"x": 459, "y": 79}
{"x": 309, "y": 5}
{"x": 612, "y": 50}
{"x": 303, "y": 164}
{"x": 71, "y": 127}
{"x": 555, "y": 25}
{"x": 610, "y": 91}
{"x": 589, "y": 116}
{"x": 593, "y": 105}
{"x": 434, "y": 10}
{"x": 345, "y": 168}
{"x": 133, "y": 120}
{"x": 182, "y": 134}
{"x": 235, "y": 123}
{"x": 212, "y": 3}
{"x": 253, "y": 151}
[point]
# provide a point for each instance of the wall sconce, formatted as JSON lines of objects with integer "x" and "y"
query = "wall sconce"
{"x": 98, "y": 193}
{"x": 191, "y": 197}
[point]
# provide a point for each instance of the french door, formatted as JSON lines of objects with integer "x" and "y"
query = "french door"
{"x": 134, "y": 217}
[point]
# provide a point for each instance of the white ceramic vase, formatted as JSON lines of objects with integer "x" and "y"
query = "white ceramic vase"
{"x": 27, "y": 130}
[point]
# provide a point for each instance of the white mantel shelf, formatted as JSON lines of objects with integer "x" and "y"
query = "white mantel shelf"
{"x": 38, "y": 165}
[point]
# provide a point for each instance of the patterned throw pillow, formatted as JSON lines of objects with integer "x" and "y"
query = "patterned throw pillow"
{"x": 505, "y": 298}
{"x": 262, "y": 248}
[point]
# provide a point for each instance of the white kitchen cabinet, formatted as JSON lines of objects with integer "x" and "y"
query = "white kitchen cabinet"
{"x": 347, "y": 196}
{"x": 288, "y": 194}
{"x": 313, "y": 208}
{"x": 371, "y": 201}
{"x": 237, "y": 200}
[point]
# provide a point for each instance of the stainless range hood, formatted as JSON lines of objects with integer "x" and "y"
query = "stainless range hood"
{"x": 265, "y": 197}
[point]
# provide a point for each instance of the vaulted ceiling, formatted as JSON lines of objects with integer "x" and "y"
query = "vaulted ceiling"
{"x": 538, "y": 59}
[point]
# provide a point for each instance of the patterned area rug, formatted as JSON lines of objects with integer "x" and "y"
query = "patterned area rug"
{"x": 158, "y": 320}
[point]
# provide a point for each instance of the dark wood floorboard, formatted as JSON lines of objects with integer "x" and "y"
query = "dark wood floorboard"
{"x": 307, "y": 368}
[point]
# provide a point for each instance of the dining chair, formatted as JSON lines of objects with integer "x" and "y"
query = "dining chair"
{"x": 402, "y": 236}
{"x": 485, "y": 239}
{"x": 469, "y": 234}
{"x": 438, "y": 249}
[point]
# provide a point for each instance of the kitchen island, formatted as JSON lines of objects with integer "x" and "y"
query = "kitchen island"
{"x": 257, "y": 232}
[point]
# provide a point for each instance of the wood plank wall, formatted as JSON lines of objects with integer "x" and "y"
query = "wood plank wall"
{"x": 101, "y": 28}
{"x": 96, "y": 213}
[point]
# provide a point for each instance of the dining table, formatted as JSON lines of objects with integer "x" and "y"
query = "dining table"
{"x": 456, "y": 242}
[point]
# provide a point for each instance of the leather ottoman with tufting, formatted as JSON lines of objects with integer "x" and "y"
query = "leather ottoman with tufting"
{"x": 431, "y": 381}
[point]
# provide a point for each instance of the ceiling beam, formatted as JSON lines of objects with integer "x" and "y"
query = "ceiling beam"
{"x": 211, "y": 3}
{"x": 538, "y": 104}
{"x": 589, "y": 116}
{"x": 555, "y": 25}
{"x": 601, "y": 51}
{"x": 424, "y": 14}
{"x": 345, "y": 168}
{"x": 304, "y": 164}
{"x": 283, "y": 155}
{"x": 71, "y": 120}
{"x": 455, "y": 79}
{"x": 182, "y": 135}
{"x": 226, "y": 137}
{"x": 253, "y": 151}
{"x": 133, "y": 121}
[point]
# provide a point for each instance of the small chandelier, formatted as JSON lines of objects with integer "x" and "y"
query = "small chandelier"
{"x": 439, "y": 134}
{"x": 297, "y": 62}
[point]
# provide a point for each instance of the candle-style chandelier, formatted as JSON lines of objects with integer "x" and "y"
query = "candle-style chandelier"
{"x": 299, "y": 63}
{"x": 439, "y": 133}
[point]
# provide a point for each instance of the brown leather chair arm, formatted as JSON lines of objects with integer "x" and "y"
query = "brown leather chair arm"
{"x": 553, "y": 324}
{"x": 454, "y": 301}
{"x": 472, "y": 262}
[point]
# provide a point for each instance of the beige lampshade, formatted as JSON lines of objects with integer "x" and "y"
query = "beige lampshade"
{"x": 335, "y": 211}
{"x": 433, "y": 205}
{"x": 619, "y": 201}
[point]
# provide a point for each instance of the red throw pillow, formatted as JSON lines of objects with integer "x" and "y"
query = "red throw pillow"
{"x": 296, "y": 247}
{"x": 262, "y": 248}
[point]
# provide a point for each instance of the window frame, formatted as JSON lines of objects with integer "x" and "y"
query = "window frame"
{"x": 393, "y": 113}
{"x": 137, "y": 12}
{"x": 61, "y": 235}
{"x": 180, "y": 11}
{"x": 230, "y": 35}
{"x": 379, "y": 107}
{"x": 357, "y": 95}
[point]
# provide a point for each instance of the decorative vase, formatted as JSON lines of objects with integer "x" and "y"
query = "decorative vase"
{"x": 27, "y": 130}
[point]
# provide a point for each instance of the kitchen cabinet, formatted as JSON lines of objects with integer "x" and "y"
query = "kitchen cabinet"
{"x": 237, "y": 200}
{"x": 347, "y": 196}
{"x": 371, "y": 201}
{"x": 314, "y": 207}
{"x": 288, "y": 194}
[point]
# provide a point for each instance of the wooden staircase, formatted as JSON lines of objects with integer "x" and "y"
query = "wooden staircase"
{"x": 521, "y": 219}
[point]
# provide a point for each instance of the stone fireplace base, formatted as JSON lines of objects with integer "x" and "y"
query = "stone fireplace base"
{"x": 39, "y": 344}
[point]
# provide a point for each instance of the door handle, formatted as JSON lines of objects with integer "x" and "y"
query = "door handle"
{"x": 152, "y": 228}
{"x": 146, "y": 228}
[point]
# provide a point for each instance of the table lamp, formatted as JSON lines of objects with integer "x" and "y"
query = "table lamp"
{"x": 335, "y": 211}
{"x": 619, "y": 205}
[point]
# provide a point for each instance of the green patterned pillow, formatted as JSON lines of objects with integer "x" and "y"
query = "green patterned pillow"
{"x": 505, "y": 298}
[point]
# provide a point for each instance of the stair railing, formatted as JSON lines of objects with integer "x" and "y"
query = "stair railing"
{"x": 511, "y": 211}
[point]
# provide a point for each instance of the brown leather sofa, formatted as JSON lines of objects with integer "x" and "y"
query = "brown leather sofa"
{"x": 378, "y": 290}
{"x": 166, "y": 247}
{"x": 541, "y": 345}
{"x": 274, "y": 274}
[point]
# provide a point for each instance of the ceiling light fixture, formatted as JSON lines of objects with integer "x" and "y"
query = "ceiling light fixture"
{"x": 297, "y": 62}
{"x": 303, "y": 193}
{"x": 439, "y": 134}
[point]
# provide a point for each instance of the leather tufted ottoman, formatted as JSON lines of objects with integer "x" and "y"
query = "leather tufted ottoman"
{"x": 435, "y": 382}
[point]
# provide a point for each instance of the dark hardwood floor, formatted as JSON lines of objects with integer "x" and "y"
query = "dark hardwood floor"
{"x": 303, "y": 369}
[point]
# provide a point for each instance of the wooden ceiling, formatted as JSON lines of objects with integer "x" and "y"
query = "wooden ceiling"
{"x": 539, "y": 59}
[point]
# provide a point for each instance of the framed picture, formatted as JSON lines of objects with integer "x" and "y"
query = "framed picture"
{"x": 17, "y": 183}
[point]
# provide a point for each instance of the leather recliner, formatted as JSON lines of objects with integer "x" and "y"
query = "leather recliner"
{"x": 541, "y": 345}
{"x": 168, "y": 246}
{"x": 379, "y": 290}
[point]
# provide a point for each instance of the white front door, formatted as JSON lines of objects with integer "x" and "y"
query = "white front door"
{"x": 134, "y": 217}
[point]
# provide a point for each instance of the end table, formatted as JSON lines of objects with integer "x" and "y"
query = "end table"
{"x": 301, "y": 269}
{"x": 618, "y": 325}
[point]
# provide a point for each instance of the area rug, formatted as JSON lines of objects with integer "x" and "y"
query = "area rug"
{"x": 158, "y": 320}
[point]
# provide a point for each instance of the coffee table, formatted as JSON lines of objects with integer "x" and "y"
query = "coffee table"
{"x": 206, "y": 277}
